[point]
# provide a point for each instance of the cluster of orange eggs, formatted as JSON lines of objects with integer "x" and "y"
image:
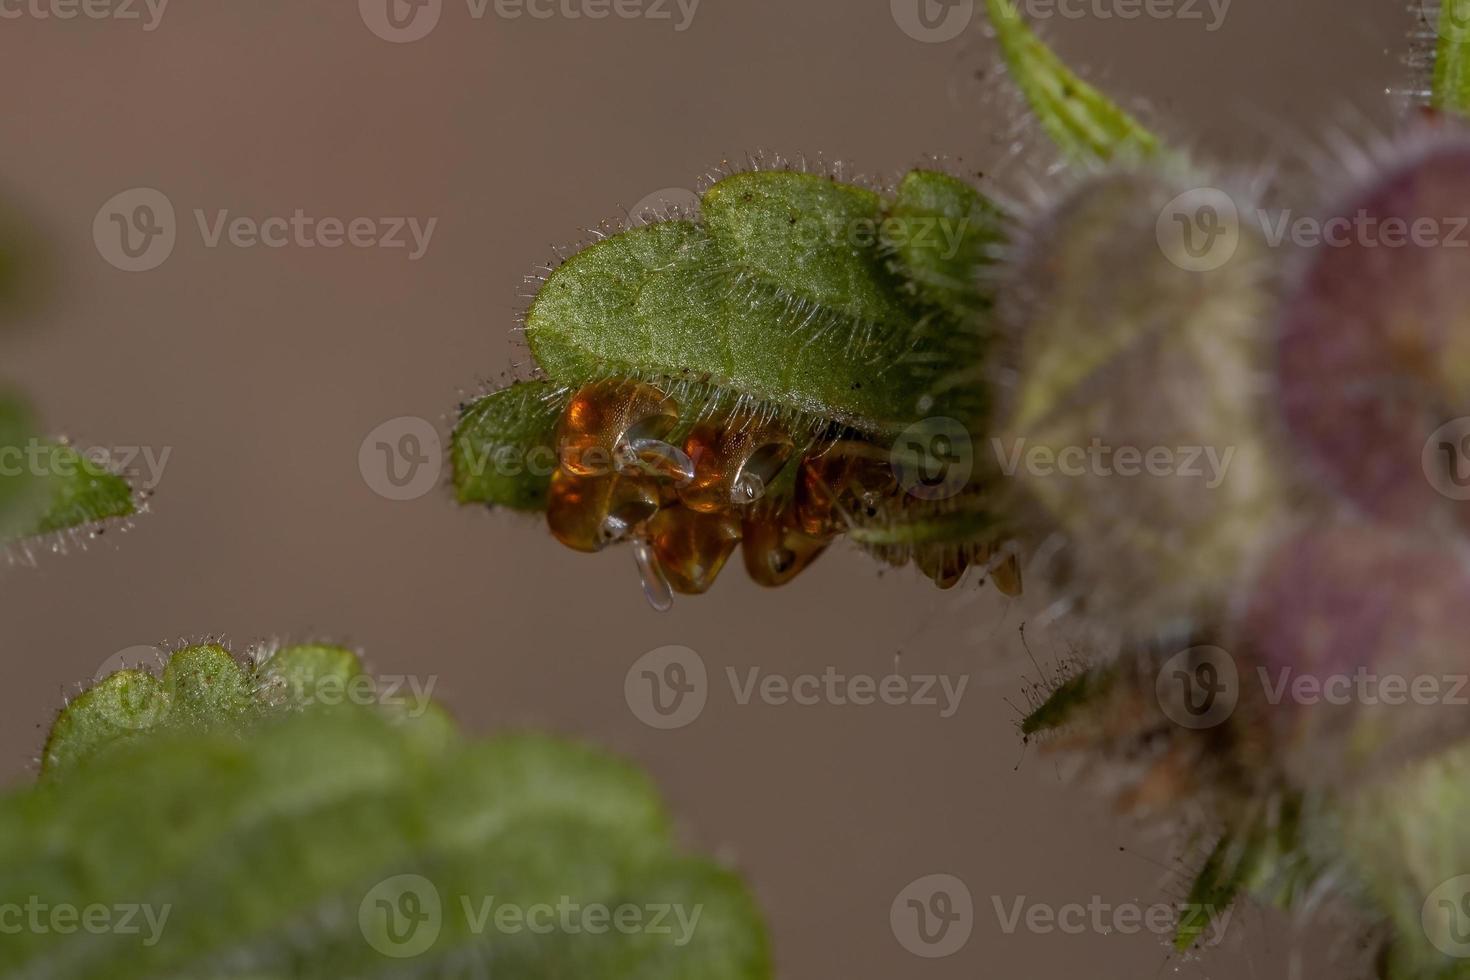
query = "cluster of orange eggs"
{"x": 685, "y": 507}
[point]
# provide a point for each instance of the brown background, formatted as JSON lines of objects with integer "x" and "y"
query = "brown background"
{"x": 262, "y": 370}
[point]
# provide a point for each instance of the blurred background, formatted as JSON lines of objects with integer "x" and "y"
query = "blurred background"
{"x": 251, "y": 377}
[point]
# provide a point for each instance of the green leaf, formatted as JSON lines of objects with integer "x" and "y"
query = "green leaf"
{"x": 913, "y": 523}
{"x": 46, "y": 486}
{"x": 784, "y": 297}
{"x": 22, "y": 494}
{"x": 80, "y": 491}
{"x": 202, "y": 688}
{"x": 1231, "y": 866}
{"x": 1081, "y": 120}
{"x": 1072, "y": 695}
{"x": 943, "y": 232}
{"x": 256, "y": 836}
{"x": 1451, "y": 85}
{"x": 504, "y": 448}
{"x": 811, "y": 239}
{"x": 205, "y": 688}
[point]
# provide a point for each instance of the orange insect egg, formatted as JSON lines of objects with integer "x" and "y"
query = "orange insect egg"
{"x": 1005, "y": 575}
{"x": 620, "y": 427}
{"x": 692, "y": 548}
{"x": 944, "y": 569}
{"x": 776, "y": 549}
{"x": 844, "y": 478}
{"x": 588, "y": 513}
{"x": 733, "y": 462}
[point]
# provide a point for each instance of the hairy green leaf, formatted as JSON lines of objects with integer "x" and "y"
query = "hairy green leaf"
{"x": 80, "y": 491}
{"x": 46, "y": 486}
{"x": 1081, "y": 120}
{"x": 504, "y": 448}
{"x": 205, "y": 688}
{"x": 783, "y": 296}
{"x": 246, "y": 834}
{"x": 1071, "y": 695}
{"x": 943, "y": 231}
{"x": 1229, "y": 869}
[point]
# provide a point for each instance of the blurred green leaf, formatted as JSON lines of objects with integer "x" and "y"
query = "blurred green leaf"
{"x": 1451, "y": 84}
{"x": 46, "y": 486}
{"x": 250, "y": 828}
{"x": 1081, "y": 120}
